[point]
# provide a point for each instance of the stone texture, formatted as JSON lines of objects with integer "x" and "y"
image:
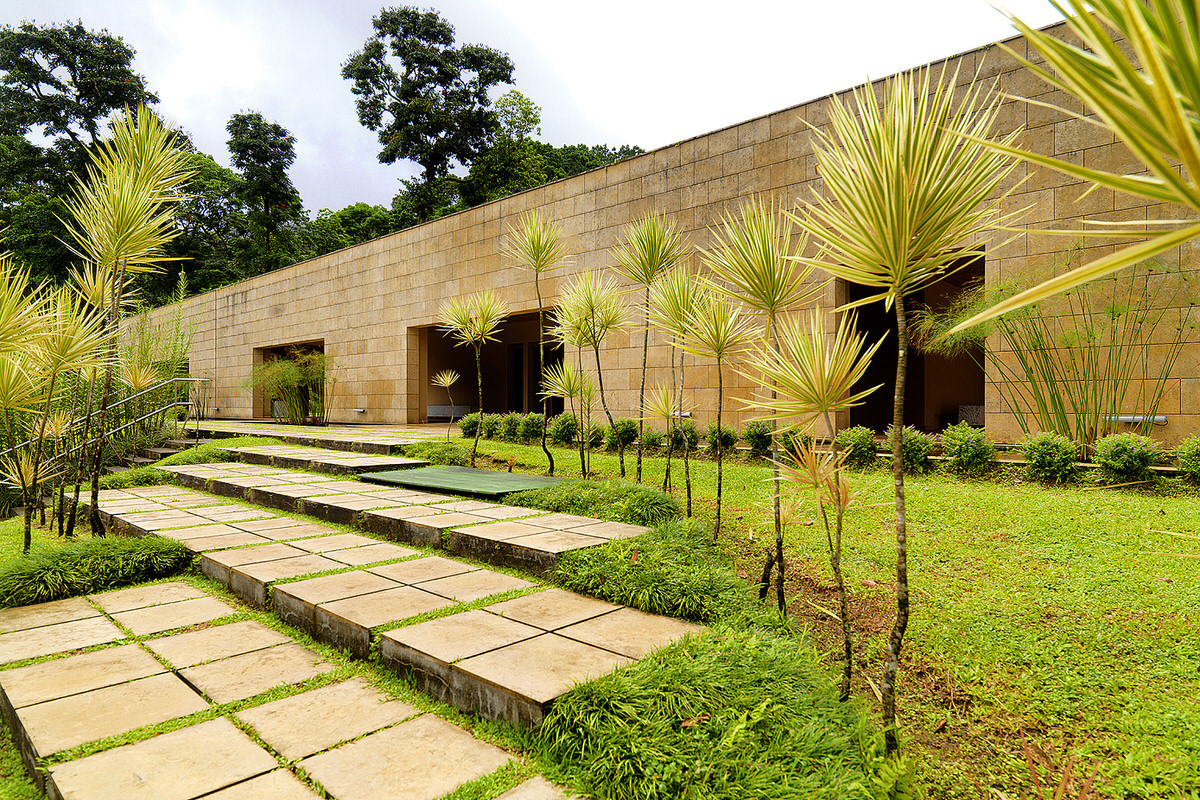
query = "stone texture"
{"x": 536, "y": 788}
{"x": 155, "y": 619}
{"x": 295, "y": 603}
{"x": 180, "y": 765}
{"x": 423, "y": 569}
{"x": 74, "y": 720}
{"x": 474, "y": 585}
{"x": 242, "y": 676}
{"x": 313, "y": 721}
{"x": 372, "y": 554}
{"x": 220, "y": 641}
{"x": 630, "y": 632}
{"x": 323, "y": 544}
{"x": 143, "y": 596}
{"x": 421, "y": 759}
{"x": 552, "y": 608}
{"x": 50, "y": 639}
{"x": 62, "y": 677}
{"x": 250, "y": 582}
{"x": 348, "y": 623}
{"x": 52, "y": 613}
{"x": 277, "y": 785}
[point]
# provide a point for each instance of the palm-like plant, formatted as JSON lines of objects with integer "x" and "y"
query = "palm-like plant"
{"x": 571, "y": 384}
{"x": 472, "y": 321}
{"x": 673, "y": 300}
{"x": 661, "y": 403}
{"x": 758, "y": 258}
{"x": 717, "y": 330}
{"x": 1145, "y": 90}
{"x": 589, "y": 311}
{"x": 536, "y": 245}
{"x": 651, "y": 248}
{"x": 445, "y": 379}
{"x": 912, "y": 191}
{"x": 813, "y": 376}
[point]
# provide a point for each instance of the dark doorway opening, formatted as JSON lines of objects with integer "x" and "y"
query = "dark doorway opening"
{"x": 939, "y": 390}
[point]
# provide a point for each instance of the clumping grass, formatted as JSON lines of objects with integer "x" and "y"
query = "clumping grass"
{"x": 88, "y": 565}
{"x": 724, "y": 714}
{"x": 613, "y": 500}
{"x": 675, "y": 569}
{"x": 14, "y": 783}
{"x": 438, "y": 453}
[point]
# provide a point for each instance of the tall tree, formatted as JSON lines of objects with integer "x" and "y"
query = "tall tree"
{"x": 263, "y": 152}
{"x": 427, "y": 99}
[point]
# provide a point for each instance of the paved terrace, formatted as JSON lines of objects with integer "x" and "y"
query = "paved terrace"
{"x": 375, "y": 439}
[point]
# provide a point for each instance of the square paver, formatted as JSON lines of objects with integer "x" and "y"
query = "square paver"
{"x": 208, "y": 544}
{"x": 219, "y": 641}
{"x": 536, "y": 788}
{"x": 180, "y": 765}
{"x": 143, "y": 596}
{"x": 155, "y": 619}
{"x": 308, "y": 723}
{"x": 550, "y": 541}
{"x": 474, "y": 585}
{"x": 40, "y": 614}
{"x": 295, "y": 603}
{"x": 551, "y": 609}
{"x": 423, "y": 569}
{"x": 200, "y": 531}
{"x": 453, "y": 638}
{"x": 370, "y": 554}
{"x": 630, "y": 632}
{"x": 323, "y": 544}
{"x": 500, "y": 531}
{"x": 62, "y": 677}
{"x": 50, "y": 639}
{"x": 79, "y": 718}
{"x": 611, "y": 530}
{"x": 250, "y": 582}
{"x": 277, "y": 785}
{"x": 421, "y": 759}
{"x": 348, "y": 623}
{"x": 242, "y": 676}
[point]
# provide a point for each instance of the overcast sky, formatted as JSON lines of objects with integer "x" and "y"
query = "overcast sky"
{"x": 644, "y": 72}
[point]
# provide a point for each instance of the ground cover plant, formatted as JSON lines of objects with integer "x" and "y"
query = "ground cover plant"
{"x": 615, "y": 500}
{"x": 438, "y": 453}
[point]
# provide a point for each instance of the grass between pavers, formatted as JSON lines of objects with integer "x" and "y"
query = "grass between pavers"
{"x": 1069, "y": 615}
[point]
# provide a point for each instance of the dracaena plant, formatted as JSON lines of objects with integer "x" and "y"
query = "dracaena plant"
{"x": 473, "y": 321}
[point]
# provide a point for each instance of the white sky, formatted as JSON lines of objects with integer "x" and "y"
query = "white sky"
{"x": 648, "y": 72}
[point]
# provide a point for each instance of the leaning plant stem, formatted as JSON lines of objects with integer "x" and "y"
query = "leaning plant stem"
{"x": 687, "y": 446}
{"x": 720, "y": 448}
{"x": 612, "y": 426}
{"x": 887, "y": 686}
{"x": 537, "y": 287}
{"x": 83, "y": 455}
{"x": 451, "y": 423}
{"x": 37, "y": 460}
{"x": 775, "y": 505}
{"x": 479, "y": 385}
{"x": 97, "y": 462}
{"x": 835, "y": 562}
{"x": 642, "y": 391}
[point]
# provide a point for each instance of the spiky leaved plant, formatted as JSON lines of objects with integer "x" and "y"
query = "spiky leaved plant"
{"x": 660, "y": 403}
{"x": 536, "y": 245}
{"x": 571, "y": 384}
{"x": 473, "y": 321}
{"x": 651, "y": 248}
{"x": 911, "y": 191}
{"x": 445, "y": 379}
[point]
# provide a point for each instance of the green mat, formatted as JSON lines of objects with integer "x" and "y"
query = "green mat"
{"x": 462, "y": 480}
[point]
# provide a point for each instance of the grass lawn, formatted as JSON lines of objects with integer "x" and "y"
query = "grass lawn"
{"x": 1069, "y": 616}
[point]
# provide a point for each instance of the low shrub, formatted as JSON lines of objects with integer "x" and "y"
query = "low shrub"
{"x": 489, "y": 425}
{"x": 446, "y": 453}
{"x": 468, "y": 424}
{"x": 510, "y": 426}
{"x": 614, "y": 500}
{"x": 915, "y": 448}
{"x": 721, "y": 714}
{"x": 622, "y": 434}
{"x": 596, "y": 435}
{"x": 969, "y": 450}
{"x": 788, "y": 438}
{"x": 1126, "y": 457}
{"x": 757, "y": 435}
{"x": 685, "y": 430}
{"x": 1187, "y": 456}
{"x": 1049, "y": 457}
{"x": 137, "y": 476}
{"x": 720, "y": 440}
{"x": 858, "y": 443}
{"x": 531, "y": 426}
{"x": 89, "y": 565}
{"x": 563, "y": 429}
{"x": 652, "y": 439}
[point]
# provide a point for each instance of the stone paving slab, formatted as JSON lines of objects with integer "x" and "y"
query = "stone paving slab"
{"x": 295, "y": 603}
{"x": 242, "y": 676}
{"x": 536, "y": 788}
{"x": 251, "y": 581}
{"x": 52, "y": 613}
{"x": 423, "y": 569}
{"x": 370, "y": 554}
{"x": 348, "y": 623}
{"x": 630, "y": 632}
{"x": 210, "y": 644}
{"x": 180, "y": 765}
{"x": 145, "y": 596}
{"x": 341, "y": 541}
{"x": 305, "y": 724}
{"x": 74, "y": 720}
{"x": 474, "y": 585}
{"x": 208, "y": 544}
{"x": 60, "y": 638}
{"x": 552, "y": 609}
{"x": 50, "y": 680}
{"x": 277, "y": 785}
{"x": 421, "y": 759}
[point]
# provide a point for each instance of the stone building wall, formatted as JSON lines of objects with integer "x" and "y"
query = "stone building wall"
{"x": 370, "y": 303}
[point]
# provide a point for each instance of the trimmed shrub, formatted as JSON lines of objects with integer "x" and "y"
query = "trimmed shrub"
{"x": 786, "y": 438}
{"x": 89, "y": 565}
{"x": 1050, "y": 457}
{"x": 622, "y": 434}
{"x": 858, "y": 443}
{"x": 970, "y": 451}
{"x": 563, "y": 429}
{"x": 915, "y": 448}
{"x": 652, "y": 439}
{"x": 438, "y": 453}
{"x": 468, "y": 424}
{"x": 722, "y": 440}
{"x": 614, "y": 500}
{"x": 489, "y": 425}
{"x": 1126, "y": 457}
{"x": 597, "y": 433}
{"x": 1187, "y": 454}
{"x": 510, "y": 426}
{"x": 531, "y": 427}
{"x": 685, "y": 430}
{"x": 757, "y": 435}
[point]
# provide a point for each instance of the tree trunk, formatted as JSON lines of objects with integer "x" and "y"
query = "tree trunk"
{"x": 887, "y": 686}
{"x": 775, "y": 505}
{"x": 479, "y": 387}
{"x": 35, "y": 467}
{"x": 612, "y": 426}
{"x": 642, "y": 393}
{"x": 835, "y": 562}
{"x": 720, "y": 450}
{"x": 687, "y": 446}
{"x": 114, "y": 317}
{"x": 541, "y": 371}
{"x": 83, "y": 455}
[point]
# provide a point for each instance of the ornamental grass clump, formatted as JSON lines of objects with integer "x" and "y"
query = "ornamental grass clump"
{"x": 1049, "y": 457}
{"x": 1127, "y": 457}
{"x": 969, "y": 451}
{"x": 757, "y": 436}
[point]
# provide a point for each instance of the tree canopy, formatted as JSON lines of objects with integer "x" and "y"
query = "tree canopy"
{"x": 263, "y": 152}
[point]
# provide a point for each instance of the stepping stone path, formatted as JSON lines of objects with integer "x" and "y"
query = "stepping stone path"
{"x": 485, "y": 641}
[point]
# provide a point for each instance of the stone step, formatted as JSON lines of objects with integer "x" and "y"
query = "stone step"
{"x": 159, "y": 453}
{"x": 319, "y": 459}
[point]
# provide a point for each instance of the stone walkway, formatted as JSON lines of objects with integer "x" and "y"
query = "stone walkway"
{"x": 377, "y": 439}
{"x": 234, "y": 734}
